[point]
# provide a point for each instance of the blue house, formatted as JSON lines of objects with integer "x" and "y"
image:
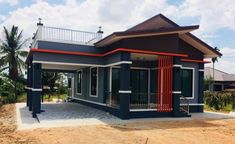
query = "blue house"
{"x": 154, "y": 69}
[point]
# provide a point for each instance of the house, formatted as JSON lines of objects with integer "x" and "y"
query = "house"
{"x": 154, "y": 69}
{"x": 222, "y": 81}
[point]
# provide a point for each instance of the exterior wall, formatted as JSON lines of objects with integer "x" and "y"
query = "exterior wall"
{"x": 75, "y": 59}
{"x": 195, "y": 78}
{"x": 86, "y": 85}
{"x": 67, "y": 47}
{"x": 162, "y": 43}
{"x": 191, "y": 51}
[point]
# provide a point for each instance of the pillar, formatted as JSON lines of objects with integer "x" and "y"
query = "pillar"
{"x": 201, "y": 87}
{"x": 125, "y": 89}
{"x": 30, "y": 80}
{"x": 176, "y": 89}
{"x": 36, "y": 89}
{"x": 28, "y": 86}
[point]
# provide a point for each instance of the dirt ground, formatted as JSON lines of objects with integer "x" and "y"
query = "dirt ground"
{"x": 193, "y": 131}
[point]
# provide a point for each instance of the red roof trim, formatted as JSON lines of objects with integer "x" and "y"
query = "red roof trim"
{"x": 107, "y": 53}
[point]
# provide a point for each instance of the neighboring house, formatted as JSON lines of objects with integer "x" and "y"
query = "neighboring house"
{"x": 140, "y": 72}
{"x": 222, "y": 81}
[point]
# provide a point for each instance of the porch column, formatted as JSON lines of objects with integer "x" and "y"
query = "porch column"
{"x": 30, "y": 80}
{"x": 28, "y": 86}
{"x": 176, "y": 89}
{"x": 125, "y": 90}
{"x": 36, "y": 89}
{"x": 201, "y": 86}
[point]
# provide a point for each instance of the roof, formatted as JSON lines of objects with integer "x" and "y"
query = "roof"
{"x": 142, "y": 33}
{"x": 218, "y": 75}
{"x": 160, "y": 22}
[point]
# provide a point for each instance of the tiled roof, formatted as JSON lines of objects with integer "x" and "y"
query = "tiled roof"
{"x": 219, "y": 75}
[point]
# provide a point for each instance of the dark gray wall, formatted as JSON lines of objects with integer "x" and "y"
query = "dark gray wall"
{"x": 86, "y": 85}
{"x": 195, "y": 66}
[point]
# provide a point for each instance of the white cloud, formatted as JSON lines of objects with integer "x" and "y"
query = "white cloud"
{"x": 226, "y": 62}
{"x": 213, "y": 15}
{"x": 113, "y": 15}
{"x": 228, "y": 52}
{"x": 10, "y": 2}
{"x": 117, "y": 15}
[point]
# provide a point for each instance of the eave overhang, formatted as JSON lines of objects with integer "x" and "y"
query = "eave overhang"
{"x": 116, "y": 36}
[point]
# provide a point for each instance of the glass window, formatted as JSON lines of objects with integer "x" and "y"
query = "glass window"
{"x": 93, "y": 81}
{"x": 187, "y": 82}
{"x": 139, "y": 86}
{"x": 79, "y": 82}
{"x": 115, "y": 85}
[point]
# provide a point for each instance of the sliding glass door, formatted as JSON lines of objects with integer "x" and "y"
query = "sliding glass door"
{"x": 139, "y": 87}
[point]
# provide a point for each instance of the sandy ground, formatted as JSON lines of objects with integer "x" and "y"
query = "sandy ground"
{"x": 177, "y": 132}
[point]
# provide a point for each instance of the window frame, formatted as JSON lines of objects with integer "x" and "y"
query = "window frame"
{"x": 77, "y": 82}
{"x": 193, "y": 81}
{"x": 97, "y": 82}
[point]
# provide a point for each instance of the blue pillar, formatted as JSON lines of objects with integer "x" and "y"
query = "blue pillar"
{"x": 201, "y": 86}
{"x": 28, "y": 86}
{"x": 176, "y": 86}
{"x": 125, "y": 89}
{"x": 30, "y": 80}
{"x": 36, "y": 88}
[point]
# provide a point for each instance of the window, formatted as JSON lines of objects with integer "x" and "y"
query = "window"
{"x": 79, "y": 82}
{"x": 139, "y": 86}
{"x": 93, "y": 81}
{"x": 187, "y": 82}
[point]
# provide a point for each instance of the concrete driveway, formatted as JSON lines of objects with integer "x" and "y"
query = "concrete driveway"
{"x": 74, "y": 114}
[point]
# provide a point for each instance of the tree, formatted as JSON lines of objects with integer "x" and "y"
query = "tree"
{"x": 12, "y": 53}
{"x": 214, "y": 59}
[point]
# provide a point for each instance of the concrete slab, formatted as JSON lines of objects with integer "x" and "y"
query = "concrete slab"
{"x": 73, "y": 114}
{"x": 61, "y": 115}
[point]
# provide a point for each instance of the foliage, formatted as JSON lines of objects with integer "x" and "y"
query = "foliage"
{"x": 6, "y": 89}
{"x": 49, "y": 79}
{"x": 55, "y": 82}
{"x": 217, "y": 100}
{"x": 11, "y": 49}
{"x": 208, "y": 80}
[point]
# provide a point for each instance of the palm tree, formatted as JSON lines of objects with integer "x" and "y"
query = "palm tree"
{"x": 12, "y": 54}
{"x": 214, "y": 59}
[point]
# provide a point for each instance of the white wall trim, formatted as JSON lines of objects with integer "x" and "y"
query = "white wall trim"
{"x": 193, "y": 104}
{"x": 177, "y": 92}
{"x": 97, "y": 83}
{"x": 177, "y": 65}
{"x": 124, "y": 91}
{"x": 193, "y": 82}
{"x": 81, "y": 64}
{"x": 34, "y": 89}
{"x": 118, "y": 63}
{"x": 136, "y": 110}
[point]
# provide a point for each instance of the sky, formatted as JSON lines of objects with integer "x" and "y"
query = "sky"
{"x": 215, "y": 17}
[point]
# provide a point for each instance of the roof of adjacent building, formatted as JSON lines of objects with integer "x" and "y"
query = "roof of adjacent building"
{"x": 160, "y": 24}
{"x": 218, "y": 75}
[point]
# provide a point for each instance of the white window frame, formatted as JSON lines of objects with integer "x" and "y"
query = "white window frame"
{"x": 193, "y": 82}
{"x": 77, "y": 81}
{"x": 97, "y": 81}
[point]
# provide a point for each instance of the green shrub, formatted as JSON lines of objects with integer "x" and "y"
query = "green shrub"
{"x": 217, "y": 100}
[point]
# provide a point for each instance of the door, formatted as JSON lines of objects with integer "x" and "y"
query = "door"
{"x": 139, "y": 88}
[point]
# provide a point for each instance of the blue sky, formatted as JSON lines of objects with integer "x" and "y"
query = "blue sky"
{"x": 216, "y": 18}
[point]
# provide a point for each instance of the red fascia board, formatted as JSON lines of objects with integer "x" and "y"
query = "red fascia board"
{"x": 107, "y": 53}
{"x": 195, "y": 61}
